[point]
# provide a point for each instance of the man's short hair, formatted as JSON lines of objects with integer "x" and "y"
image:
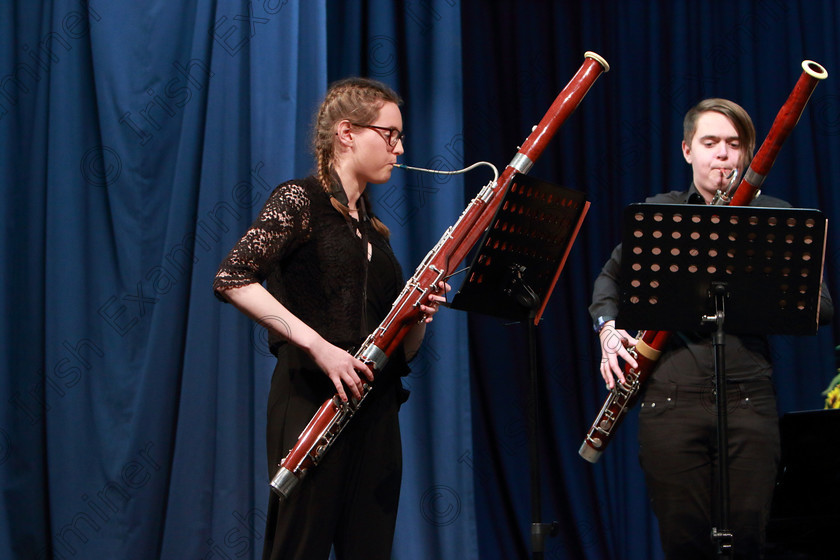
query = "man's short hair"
{"x": 736, "y": 114}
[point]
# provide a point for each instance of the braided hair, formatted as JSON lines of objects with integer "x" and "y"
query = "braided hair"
{"x": 360, "y": 100}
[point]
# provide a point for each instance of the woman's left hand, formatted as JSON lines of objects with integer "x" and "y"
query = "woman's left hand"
{"x": 433, "y": 303}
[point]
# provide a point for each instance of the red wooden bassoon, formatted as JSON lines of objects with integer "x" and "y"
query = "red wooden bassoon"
{"x": 650, "y": 344}
{"x": 452, "y": 248}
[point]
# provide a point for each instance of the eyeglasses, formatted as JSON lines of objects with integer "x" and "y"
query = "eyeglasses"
{"x": 390, "y": 134}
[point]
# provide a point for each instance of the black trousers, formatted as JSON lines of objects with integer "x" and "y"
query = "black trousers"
{"x": 678, "y": 442}
{"x": 350, "y": 499}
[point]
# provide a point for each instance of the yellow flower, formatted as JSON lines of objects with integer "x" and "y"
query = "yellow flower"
{"x": 832, "y": 392}
{"x": 832, "y": 400}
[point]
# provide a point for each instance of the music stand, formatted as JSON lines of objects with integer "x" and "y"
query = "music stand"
{"x": 512, "y": 276}
{"x": 737, "y": 269}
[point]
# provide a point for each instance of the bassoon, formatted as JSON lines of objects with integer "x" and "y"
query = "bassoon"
{"x": 334, "y": 414}
{"x": 650, "y": 344}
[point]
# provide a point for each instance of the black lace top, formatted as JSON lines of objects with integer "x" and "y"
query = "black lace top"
{"x": 312, "y": 260}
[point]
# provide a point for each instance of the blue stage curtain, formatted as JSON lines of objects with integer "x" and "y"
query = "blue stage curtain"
{"x": 138, "y": 141}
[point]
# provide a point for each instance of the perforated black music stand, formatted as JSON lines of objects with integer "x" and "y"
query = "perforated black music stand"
{"x": 737, "y": 269}
{"x": 512, "y": 276}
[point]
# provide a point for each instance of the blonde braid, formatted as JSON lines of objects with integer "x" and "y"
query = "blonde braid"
{"x": 359, "y": 99}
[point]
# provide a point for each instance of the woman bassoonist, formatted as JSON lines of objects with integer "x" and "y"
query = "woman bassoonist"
{"x": 650, "y": 344}
{"x": 453, "y": 247}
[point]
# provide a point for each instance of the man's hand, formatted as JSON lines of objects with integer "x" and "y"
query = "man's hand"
{"x": 614, "y": 345}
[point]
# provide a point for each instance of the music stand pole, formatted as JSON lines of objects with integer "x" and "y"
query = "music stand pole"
{"x": 721, "y": 534}
{"x": 512, "y": 277}
{"x": 539, "y": 530}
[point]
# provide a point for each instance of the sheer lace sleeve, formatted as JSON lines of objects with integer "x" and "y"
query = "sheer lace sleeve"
{"x": 282, "y": 224}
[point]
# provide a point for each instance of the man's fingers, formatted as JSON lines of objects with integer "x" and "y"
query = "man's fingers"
{"x": 607, "y": 376}
{"x": 628, "y": 357}
{"x": 612, "y": 341}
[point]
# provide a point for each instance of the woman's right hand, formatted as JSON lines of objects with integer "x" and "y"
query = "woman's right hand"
{"x": 614, "y": 344}
{"x": 342, "y": 368}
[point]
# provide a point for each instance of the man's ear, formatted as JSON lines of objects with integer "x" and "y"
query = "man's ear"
{"x": 686, "y": 150}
